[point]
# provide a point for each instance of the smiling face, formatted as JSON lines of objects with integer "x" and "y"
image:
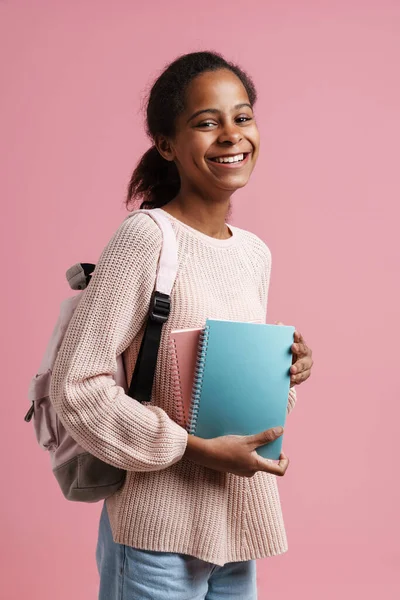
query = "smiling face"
{"x": 217, "y": 126}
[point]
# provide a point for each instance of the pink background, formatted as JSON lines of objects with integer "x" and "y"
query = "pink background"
{"x": 324, "y": 197}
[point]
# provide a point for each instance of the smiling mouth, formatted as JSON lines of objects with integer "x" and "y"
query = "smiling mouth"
{"x": 229, "y": 160}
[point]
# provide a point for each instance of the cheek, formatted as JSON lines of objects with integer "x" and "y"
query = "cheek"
{"x": 255, "y": 138}
{"x": 197, "y": 151}
{"x": 201, "y": 144}
{"x": 193, "y": 150}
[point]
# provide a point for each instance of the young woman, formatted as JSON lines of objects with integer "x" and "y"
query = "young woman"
{"x": 193, "y": 514}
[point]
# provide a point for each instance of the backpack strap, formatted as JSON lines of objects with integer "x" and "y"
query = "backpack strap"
{"x": 143, "y": 375}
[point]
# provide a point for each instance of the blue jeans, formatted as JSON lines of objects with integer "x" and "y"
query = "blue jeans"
{"x": 128, "y": 573}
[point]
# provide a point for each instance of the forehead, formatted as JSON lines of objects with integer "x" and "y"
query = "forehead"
{"x": 220, "y": 89}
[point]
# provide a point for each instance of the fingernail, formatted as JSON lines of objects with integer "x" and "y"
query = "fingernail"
{"x": 278, "y": 430}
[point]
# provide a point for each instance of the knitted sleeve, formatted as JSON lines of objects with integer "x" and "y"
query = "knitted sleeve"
{"x": 264, "y": 287}
{"x": 93, "y": 408}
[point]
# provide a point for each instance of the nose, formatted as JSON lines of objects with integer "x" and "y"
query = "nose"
{"x": 230, "y": 134}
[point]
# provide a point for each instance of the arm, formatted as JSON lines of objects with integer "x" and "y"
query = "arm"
{"x": 112, "y": 310}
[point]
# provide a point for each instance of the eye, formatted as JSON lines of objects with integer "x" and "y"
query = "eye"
{"x": 205, "y": 124}
{"x": 244, "y": 119}
{"x": 209, "y": 124}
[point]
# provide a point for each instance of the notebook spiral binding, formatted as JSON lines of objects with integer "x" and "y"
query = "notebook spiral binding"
{"x": 198, "y": 380}
{"x": 177, "y": 386}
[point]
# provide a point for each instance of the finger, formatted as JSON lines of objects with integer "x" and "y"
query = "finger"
{"x": 294, "y": 357}
{"x": 263, "y": 464}
{"x": 278, "y": 323}
{"x": 264, "y": 437}
{"x": 300, "y": 377}
{"x": 298, "y": 337}
{"x": 300, "y": 349}
{"x": 301, "y": 365}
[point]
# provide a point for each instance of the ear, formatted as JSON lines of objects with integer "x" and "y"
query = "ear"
{"x": 165, "y": 148}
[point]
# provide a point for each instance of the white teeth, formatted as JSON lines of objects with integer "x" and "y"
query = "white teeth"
{"x": 229, "y": 159}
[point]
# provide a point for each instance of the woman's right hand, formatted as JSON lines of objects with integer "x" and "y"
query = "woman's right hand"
{"x": 236, "y": 453}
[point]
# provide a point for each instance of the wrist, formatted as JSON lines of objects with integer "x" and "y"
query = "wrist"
{"x": 196, "y": 449}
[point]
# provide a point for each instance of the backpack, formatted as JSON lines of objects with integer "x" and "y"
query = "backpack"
{"x": 83, "y": 477}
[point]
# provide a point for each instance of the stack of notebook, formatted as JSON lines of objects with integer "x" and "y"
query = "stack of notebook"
{"x": 234, "y": 378}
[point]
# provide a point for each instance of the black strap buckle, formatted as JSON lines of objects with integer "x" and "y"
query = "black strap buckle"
{"x": 160, "y": 307}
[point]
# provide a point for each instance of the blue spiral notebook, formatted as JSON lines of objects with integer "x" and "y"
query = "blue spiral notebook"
{"x": 242, "y": 381}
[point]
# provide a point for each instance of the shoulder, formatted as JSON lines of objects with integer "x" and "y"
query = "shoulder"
{"x": 254, "y": 245}
{"x": 135, "y": 244}
{"x": 139, "y": 230}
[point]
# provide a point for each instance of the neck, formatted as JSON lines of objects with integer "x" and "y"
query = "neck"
{"x": 206, "y": 216}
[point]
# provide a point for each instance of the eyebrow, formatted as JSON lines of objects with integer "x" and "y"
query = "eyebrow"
{"x": 216, "y": 111}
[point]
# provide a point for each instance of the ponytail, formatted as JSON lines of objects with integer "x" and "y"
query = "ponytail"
{"x": 155, "y": 180}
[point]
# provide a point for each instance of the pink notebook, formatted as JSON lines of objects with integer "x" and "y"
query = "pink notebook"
{"x": 184, "y": 344}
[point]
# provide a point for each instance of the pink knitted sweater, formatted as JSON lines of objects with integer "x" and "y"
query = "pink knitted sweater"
{"x": 167, "y": 503}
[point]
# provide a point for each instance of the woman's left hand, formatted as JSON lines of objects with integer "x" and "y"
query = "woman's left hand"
{"x": 302, "y": 359}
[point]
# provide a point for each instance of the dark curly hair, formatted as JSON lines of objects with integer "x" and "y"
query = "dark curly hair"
{"x": 155, "y": 180}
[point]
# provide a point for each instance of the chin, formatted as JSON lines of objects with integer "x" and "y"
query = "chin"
{"x": 237, "y": 185}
